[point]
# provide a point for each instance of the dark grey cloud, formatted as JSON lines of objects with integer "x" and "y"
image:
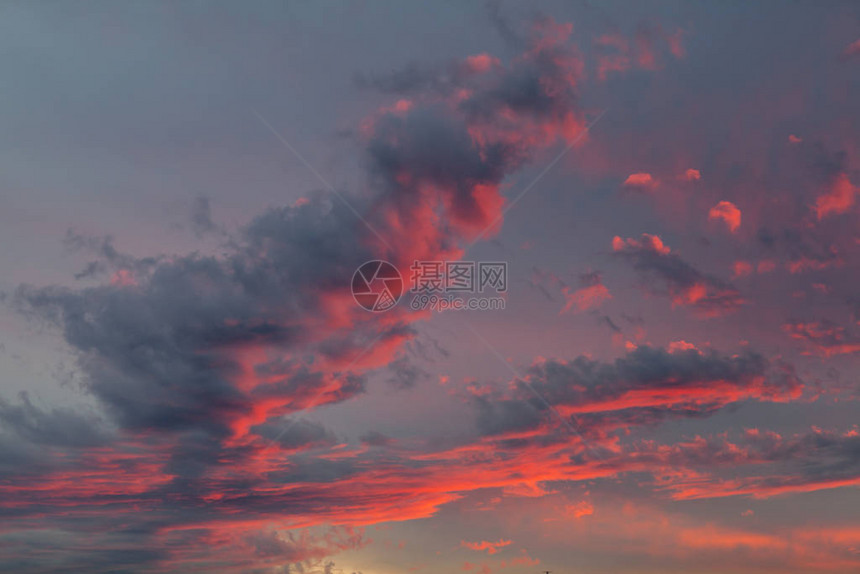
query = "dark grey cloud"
{"x": 295, "y": 434}
{"x": 153, "y": 349}
{"x": 201, "y": 217}
{"x": 375, "y": 438}
{"x": 645, "y": 386}
{"x": 665, "y": 273}
{"x": 54, "y": 427}
{"x": 108, "y": 257}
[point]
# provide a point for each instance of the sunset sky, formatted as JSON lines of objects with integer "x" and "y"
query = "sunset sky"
{"x": 187, "y": 383}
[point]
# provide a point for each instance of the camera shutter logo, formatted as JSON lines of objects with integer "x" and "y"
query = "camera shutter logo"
{"x": 377, "y": 286}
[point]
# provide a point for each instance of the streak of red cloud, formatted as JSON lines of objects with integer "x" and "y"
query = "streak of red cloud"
{"x": 803, "y": 263}
{"x": 713, "y": 538}
{"x": 825, "y": 337}
{"x": 490, "y": 547}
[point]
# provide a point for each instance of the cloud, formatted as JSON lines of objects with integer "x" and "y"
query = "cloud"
{"x": 825, "y": 337}
{"x": 838, "y": 199}
{"x": 590, "y": 295}
{"x": 741, "y": 268}
{"x": 675, "y": 278}
{"x": 452, "y": 154}
{"x": 806, "y": 462}
{"x": 641, "y": 180}
{"x": 645, "y": 386}
{"x": 490, "y": 547}
{"x": 728, "y": 212}
{"x": 196, "y": 359}
{"x": 692, "y": 175}
{"x": 852, "y": 49}
{"x": 616, "y": 53}
{"x": 201, "y": 217}
{"x": 57, "y": 427}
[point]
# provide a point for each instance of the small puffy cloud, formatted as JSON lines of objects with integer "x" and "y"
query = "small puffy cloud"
{"x": 794, "y": 139}
{"x": 741, "y": 268}
{"x": 641, "y": 180}
{"x": 681, "y": 345}
{"x": 692, "y": 175}
{"x": 728, "y": 212}
{"x": 481, "y": 63}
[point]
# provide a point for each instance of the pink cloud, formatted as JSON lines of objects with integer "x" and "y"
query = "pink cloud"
{"x": 692, "y": 175}
{"x": 587, "y": 297}
{"x": 838, "y": 199}
{"x": 667, "y": 274}
{"x": 481, "y": 63}
{"x": 643, "y": 180}
{"x": 741, "y": 268}
{"x": 728, "y": 212}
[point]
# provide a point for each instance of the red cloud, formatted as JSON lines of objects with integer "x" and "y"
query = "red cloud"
{"x": 585, "y": 298}
{"x": 692, "y": 175}
{"x": 741, "y": 268}
{"x": 643, "y": 180}
{"x": 684, "y": 284}
{"x": 839, "y": 199}
{"x": 580, "y": 509}
{"x": 201, "y": 355}
{"x": 728, "y": 212}
{"x": 592, "y": 294}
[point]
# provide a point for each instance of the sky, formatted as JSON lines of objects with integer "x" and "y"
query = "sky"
{"x": 666, "y": 382}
